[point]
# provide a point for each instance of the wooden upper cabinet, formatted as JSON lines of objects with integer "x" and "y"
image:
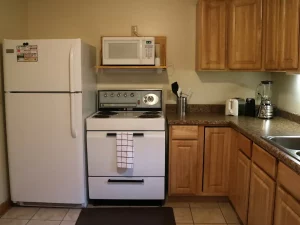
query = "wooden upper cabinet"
{"x": 245, "y": 34}
{"x": 211, "y": 34}
{"x": 183, "y": 168}
{"x": 281, "y": 34}
{"x": 287, "y": 209}
{"x": 216, "y": 161}
{"x": 242, "y": 186}
{"x": 261, "y": 198}
{"x": 271, "y": 30}
{"x": 289, "y": 34}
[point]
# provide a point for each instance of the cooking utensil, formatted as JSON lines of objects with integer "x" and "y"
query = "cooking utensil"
{"x": 179, "y": 92}
{"x": 175, "y": 88}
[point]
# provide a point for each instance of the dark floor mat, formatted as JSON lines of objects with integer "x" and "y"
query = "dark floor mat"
{"x": 127, "y": 216}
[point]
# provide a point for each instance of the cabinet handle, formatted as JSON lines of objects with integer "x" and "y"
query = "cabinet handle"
{"x": 111, "y": 135}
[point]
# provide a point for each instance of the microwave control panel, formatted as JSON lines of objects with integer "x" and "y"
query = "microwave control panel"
{"x": 149, "y": 48}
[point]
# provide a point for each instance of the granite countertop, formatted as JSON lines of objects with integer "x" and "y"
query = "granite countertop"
{"x": 253, "y": 128}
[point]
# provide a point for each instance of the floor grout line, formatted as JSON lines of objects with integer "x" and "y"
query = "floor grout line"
{"x": 66, "y": 214}
{"x": 222, "y": 212}
{"x": 34, "y": 214}
{"x": 191, "y": 213}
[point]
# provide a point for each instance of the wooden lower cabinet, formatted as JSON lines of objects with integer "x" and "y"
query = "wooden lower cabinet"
{"x": 287, "y": 209}
{"x": 232, "y": 166}
{"x": 183, "y": 167}
{"x": 216, "y": 161}
{"x": 261, "y": 198}
{"x": 243, "y": 168}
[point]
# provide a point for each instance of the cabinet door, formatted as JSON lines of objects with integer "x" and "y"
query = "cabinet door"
{"x": 271, "y": 31}
{"x": 245, "y": 34}
{"x": 261, "y": 198}
{"x": 212, "y": 34}
{"x": 287, "y": 209}
{"x": 183, "y": 168}
{"x": 242, "y": 186}
{"x": 216, "y": 161}
{"x": 289, "y": 34}
{"x": 232, "y": 167}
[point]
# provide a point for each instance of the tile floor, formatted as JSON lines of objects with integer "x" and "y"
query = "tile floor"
{"x": 200, "y": 213}
{"x": 204, "y": 213}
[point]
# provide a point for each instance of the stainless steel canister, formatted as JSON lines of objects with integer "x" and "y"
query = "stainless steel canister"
{"x": 181, "y": 106}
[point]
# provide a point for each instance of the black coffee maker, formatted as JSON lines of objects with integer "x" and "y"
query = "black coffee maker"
{"x": 250, "y": 107}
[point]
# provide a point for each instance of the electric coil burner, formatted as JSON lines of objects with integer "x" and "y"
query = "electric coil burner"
{"x": 109, "y": 113}
{"x": 150, "y": 112}
{"x": 149, "y": 116}
{"x": 101, "y": 116}
{"x": 105, "y": 114}
{"x": 138, "y": 112}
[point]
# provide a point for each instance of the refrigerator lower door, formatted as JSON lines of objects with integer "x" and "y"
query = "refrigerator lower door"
{"x": 46, "y": 159}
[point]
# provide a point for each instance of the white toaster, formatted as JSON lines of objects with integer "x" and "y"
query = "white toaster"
{"x": 235, "y": 107}
{"x": 232, "y": 107}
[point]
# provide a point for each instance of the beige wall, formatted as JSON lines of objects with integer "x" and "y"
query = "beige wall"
{"x": 91, "y": 19}
{"x": 287, "y": 92}
{"x": 13, "y": 24}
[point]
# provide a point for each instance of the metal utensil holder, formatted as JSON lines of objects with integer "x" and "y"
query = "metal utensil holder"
{"x": 181, "y": 106}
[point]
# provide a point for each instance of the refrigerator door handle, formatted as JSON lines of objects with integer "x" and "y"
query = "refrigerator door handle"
{"x": 71, "y": 69}
{"x": 72, "y": 110}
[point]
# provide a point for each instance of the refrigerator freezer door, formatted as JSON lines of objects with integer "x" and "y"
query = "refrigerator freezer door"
{"x": 58, "y": 66}
{"x": 46, "y": 163}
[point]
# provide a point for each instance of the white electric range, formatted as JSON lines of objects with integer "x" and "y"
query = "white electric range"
{"x": 138, "y": 112}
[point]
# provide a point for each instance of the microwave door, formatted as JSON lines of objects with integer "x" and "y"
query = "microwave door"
{"x": 122, "y": 52}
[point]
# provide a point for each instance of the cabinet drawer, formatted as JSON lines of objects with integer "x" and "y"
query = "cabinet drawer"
{"x": 184, "y": 132}
{"x": 244, "y": 144}
{"x": 264, "y": 160}
{"x": 130, "y": 188}
{"x": 289, "y": 180}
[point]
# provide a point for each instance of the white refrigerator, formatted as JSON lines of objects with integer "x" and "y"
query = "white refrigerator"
{"x": 50, "y": 88}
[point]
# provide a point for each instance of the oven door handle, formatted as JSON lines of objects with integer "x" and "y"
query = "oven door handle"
{"x": 134, "y": 134}
{"x": 125, "y": 181}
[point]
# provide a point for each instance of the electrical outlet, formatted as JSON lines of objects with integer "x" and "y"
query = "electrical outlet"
{"x": 134, "y": 30}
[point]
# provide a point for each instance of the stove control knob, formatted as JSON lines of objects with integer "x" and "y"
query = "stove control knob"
{"x": 150, "y": 99}
{"x": 132, "y": 95}
{"x": 125, "y": 95}
{"x": 105, "y": 95}
{"x": 112, "y": 95}
{"x": 119, "y": 94}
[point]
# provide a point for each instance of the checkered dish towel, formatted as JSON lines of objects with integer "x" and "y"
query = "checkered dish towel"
{"x": 125, "y": 150}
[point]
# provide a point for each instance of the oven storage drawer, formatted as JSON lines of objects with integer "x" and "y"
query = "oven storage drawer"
{"x": 149, "y": 154}
{"x": 127, "y": 188}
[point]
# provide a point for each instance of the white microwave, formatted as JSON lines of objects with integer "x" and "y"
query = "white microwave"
{"x": 128, "y": 50}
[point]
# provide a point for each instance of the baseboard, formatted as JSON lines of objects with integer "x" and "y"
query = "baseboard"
{"x": 4, "y": 207}
{"x": 197, "y": 199}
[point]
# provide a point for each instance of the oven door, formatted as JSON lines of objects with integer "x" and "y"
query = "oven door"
{"x": 122, "y": 51}
{"x": 149, "y": 154}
